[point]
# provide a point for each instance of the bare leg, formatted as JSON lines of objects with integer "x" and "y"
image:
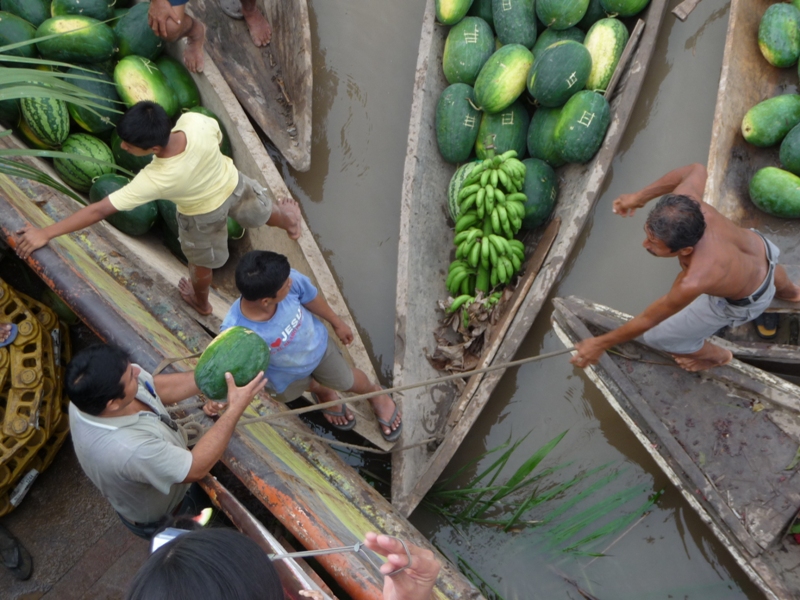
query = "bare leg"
{"x": 784, "y": 288}
{"x": 286, "y": 215}
{"x": 194, "y": 32}
{"x": 326, "y": 394}
{"x": 260, "y": 29}
{"x": 195, "y": 292}
{"x": 707, "y": 357}
{"x": 383, "y": 405}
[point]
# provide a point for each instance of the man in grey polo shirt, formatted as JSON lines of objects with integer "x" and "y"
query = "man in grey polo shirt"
{"x": 126, "y": 442}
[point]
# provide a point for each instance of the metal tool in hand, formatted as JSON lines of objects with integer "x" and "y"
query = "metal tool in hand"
{"x": 357, "y": 547}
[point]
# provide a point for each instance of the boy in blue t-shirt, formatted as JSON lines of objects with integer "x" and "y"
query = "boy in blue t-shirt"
{"x": 282, "y": 305}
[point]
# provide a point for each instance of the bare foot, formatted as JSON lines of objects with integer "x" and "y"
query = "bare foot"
{"x": 334, "y": 415}
{"x": 193, "y": 54}
{"x": 260, "y": 29}
{"x": 187, "y": 293}
{"x": 291, "y": 217}
{"x": 385, "y": 408}
{"x": 696, "y": 363}
{"x": 5, "y": 331}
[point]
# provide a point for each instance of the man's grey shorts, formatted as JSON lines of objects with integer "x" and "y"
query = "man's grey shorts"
{"x": 332, "y": 371}
{"x": 204, "y": 238}
{"x": 685, "y": 332}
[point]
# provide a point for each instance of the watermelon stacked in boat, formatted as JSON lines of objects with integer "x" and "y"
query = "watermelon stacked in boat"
{"x": 115, "y": 57}
{"x": 527, "y": 79}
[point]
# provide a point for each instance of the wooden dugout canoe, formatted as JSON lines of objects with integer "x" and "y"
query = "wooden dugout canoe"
{"x": 274, "y": 84}
{"x": 425, "y": 251}
{"x": 746, "y": 80}
{"x": 727, "y": 438}
{"x": 124, "y": 289}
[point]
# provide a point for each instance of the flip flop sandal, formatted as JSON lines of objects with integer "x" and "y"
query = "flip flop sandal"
{"x": 12, "y": 335}
{"x": 342, "y": 412}
{"x": 767, "y": 326}
{"x": 232, "y": 8}
{"x": 14, "y": 556}
{"x": 393, "y": 435}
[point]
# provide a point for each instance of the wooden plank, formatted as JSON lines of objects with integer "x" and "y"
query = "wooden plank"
{"x": 274, "y": 83}
{"x": 424, "y": 252}
{"x": 685, "y": 8}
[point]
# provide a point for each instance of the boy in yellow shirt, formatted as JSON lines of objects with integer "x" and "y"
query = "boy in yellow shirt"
{"x": 188, "y": 169}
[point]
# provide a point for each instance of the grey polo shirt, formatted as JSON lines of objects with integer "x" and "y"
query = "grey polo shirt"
{"x": 136, "y": 461}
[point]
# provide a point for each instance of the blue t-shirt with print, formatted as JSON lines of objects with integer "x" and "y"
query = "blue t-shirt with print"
{"x": 297, "y": 339}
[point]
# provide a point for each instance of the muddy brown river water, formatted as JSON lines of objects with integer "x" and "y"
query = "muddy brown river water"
{"x": 364, "y": 62}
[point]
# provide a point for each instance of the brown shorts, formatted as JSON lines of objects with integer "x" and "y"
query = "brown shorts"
{"x": 332, "y": 371}
{"x": 204, "y": 238}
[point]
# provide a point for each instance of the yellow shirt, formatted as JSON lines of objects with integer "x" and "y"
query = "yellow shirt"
{"x": 198, "y": 180}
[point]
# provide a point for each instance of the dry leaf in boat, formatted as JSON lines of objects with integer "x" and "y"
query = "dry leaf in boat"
{"x": 313, "y": 594}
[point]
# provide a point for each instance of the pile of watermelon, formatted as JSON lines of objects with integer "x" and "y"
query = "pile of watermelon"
{"x": 126, "y": 66}
{"x": 527, "y": 77}
{"x": 777, "y": 120}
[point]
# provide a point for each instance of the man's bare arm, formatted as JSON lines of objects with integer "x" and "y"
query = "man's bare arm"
{"x": 32, "y": 238}
{"x": 688, "y": 181}
{"x": 678, "y": 298}
{"x": 174, "y": 387}
{"x": 319, "y": 307}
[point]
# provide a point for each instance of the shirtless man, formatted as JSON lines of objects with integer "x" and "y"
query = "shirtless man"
{"x": 729, "y": 275}
{"x": 168, "y": 20}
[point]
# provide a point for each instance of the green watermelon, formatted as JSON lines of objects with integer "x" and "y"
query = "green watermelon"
{"x": 80, "y": 40}
{"x": 134, "y": 35}
{"x": 776, "y": 192}
{"x": 482, "y": 9}
{"x": 9, "y": 112}
{"x": 561, "y": 14}
{"x": 133, "y": 222}
{"x": 624, "y": 8}
{"x": 502, "y": 78}
{"x": 225, "y": 147}
{"x": 80, "y": 174}
{"x": 48, "y": 118}
{"x": 469, "y": 45}
{"x": 505, "y": 130}
{"x": 102, "y": 10}
{"x": 13, "y": 30}
{"x": 560, "y": 71}
{"x": 541, "y": 189}
{"x": 790, "y": 151}
{"x": 238, "y": 351}
{"x": 30, "y": 138}
{"x": 101, "y": 85}
{"x": 515, "y": 21}
{"x": 450, "y": 12}
{"x": 457, "y": 123}
{"x": 169, "y": 215}
{"x": 593, "y": 14}
{"x": 235, "y": 231}
{"x": 140, "y": 79}
{"x": 768, "y": 122}
{"x": 180, "y": 80}
{"x": 779, "y": 35}
{"x": 582, "y": 126}
{"x": 605, "y": 41}
{"x": 541, "y": 136}
{"x": 125, "y": 159}
{"x": 34, "y": 12}
{"x": 550, "y": 36}
{"x": 456, "y": 183}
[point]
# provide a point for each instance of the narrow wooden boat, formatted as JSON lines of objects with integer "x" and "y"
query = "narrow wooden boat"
{"x": 446, "y": 412}
{"x": 124, "y": 289}
{"x": 274, "y": 83}
{"x": 746, "y": 80}
{"x": 727, "y": 438}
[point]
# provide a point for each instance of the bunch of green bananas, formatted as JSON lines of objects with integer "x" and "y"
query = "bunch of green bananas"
{"x": 492, "y": 208}
{"x": 467, "y": 299}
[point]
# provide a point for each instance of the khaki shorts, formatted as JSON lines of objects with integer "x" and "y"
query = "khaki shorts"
{"x": 204, "y": 238}
{"x": 332, "y": 371}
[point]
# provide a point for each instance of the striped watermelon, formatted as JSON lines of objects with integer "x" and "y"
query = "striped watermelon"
{"x": 48, "y": 119}
{"x": 456, "y": 182}
{"x": 30, "y": 138}
{"x": 81, "y": 173}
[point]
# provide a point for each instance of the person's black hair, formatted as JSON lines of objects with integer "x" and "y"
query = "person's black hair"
{"x": 94, "y": 376}
{"x": 145, "y": 125}
{"x": 260, "y": 274}
{"x": 212, "y": 564}
{"x": 677, "y": 221}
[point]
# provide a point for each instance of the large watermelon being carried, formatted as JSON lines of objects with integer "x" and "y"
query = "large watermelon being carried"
{"x": 238, "y": 351}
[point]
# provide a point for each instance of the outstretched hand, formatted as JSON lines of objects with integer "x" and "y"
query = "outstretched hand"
{"x": 158, "y": 14}
{"x": 589, "y": 353}
{"x": 30, "y": 239}
{"x": 239, "y": 398}
{"x": 626, "y": 205}
{"x": 416, "y": 581}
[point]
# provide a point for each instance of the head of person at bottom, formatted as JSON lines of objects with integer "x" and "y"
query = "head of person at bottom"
{"x": 100, "y": 380}
{"x": 263, "y": 277}
{"x": 674, "y": 226}
{"x": 144, "y": 128}
{"x": 208, "y": 564}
